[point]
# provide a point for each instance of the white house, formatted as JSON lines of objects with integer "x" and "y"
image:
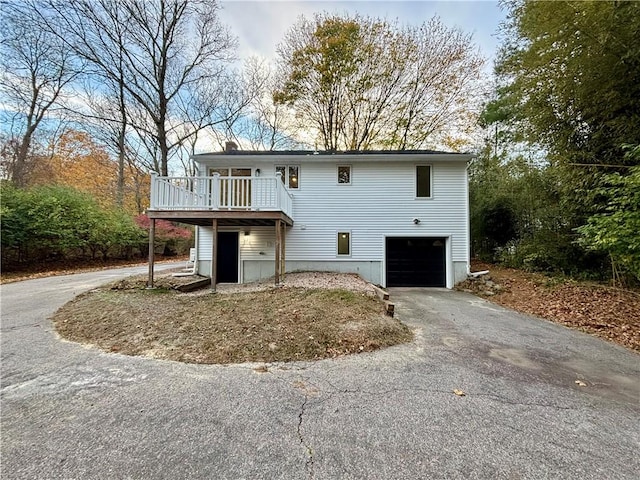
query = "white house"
{"x": 397, "y": 218}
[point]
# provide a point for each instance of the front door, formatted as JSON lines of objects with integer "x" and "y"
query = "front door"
{"x": 241, "y": 187}
{"x": 227, "y": 271}
{"x": 235, "y": 191}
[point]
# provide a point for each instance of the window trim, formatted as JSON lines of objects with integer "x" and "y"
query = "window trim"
{"x": 211, "y": 173}
{"x": 230, "y": 171}
{"x": 350, "y": 238}
{"x": 286, "y": 176}
{"x": 415, "y": 181}
{"x": 297, "y": 167}
{"x": 350, "y": 167}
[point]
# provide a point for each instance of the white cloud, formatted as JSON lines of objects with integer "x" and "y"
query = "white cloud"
{"x": 261, "y": 25}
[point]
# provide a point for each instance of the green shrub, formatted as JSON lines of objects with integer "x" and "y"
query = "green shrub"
{"x": 54, "y": 222}
{"x": 616, "y": 230}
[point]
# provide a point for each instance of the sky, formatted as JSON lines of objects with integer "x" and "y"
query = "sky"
{"x": 260, "y": 25}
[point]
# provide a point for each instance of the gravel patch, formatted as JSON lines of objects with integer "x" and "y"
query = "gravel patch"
{"x": 307, "y": 280}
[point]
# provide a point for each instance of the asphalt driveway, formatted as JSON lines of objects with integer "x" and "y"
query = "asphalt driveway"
{"x": 69, "y": 411}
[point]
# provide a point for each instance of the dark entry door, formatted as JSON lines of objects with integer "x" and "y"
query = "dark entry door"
{"x": 227, "y": 271}
{"x": 415, "y": 262}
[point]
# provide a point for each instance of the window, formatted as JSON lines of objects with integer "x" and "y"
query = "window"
{"x": 423, "y": 181}
{"x": 235, "y": 172}
{"x": 344, "y": 174}
{"x": 240, "y": 172}
{"x": 293, "y": 176}
{"x": 344, "y": 243}
{"x": 234, "y": 192}
{"x": 290, "y": 175}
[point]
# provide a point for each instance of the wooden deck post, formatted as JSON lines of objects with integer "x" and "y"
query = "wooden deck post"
{"x": 152, "y": 241}
{"x": 283, "y": 256}
{"x": 278, "y": 250}
{"x": 214, "y": 254}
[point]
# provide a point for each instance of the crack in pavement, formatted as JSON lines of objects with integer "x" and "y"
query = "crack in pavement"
{"x": 302, "y": 386}
{"x": 19, "y": 327}
{"x": 468, "y": 394}
{"x": 305, "y": 445}
{"x": 314, "y": 394}
{"x": 331, "y": 390}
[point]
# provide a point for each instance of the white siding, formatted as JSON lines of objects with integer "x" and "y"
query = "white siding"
{"x": 379, "y": 202}
{"x": 258, "y": 245}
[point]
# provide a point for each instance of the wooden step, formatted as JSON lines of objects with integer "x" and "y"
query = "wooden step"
{"x": 195, "y": 285}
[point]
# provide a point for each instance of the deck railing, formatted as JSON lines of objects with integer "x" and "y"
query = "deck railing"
{"x": 220, "y": 193}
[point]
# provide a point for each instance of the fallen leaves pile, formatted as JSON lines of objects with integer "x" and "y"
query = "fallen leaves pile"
{"x": 607, "y": 312}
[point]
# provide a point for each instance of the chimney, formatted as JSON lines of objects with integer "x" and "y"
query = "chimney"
{"x": 230, "y": 147}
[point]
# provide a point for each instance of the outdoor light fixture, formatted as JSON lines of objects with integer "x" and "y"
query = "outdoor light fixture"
{"x": 257, "y": 173}
{"x": 416, "y": 221}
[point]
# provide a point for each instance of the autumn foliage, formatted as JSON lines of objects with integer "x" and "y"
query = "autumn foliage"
{"x": 46, "y": 223}
{"x": 79, "y": 162}
{"x": 70, "y": 211}
{"x": 171, "y": 239}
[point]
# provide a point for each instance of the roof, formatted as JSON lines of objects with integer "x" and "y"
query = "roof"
{"x": 312, "y": 155}
{"x": 325, "y": 152}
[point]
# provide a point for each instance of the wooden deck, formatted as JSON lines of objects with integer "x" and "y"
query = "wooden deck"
{"x": 253, "y": 200}
{"x": 222, "y": 202}
{"x": 224, "y": 218}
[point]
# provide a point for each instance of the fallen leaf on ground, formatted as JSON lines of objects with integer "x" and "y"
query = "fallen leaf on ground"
{"x": 598, "y": 309}
{"x": 460, "y": 393}
{"x": 580, "y": 383}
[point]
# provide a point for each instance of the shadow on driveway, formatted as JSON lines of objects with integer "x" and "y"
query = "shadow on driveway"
{"x": 505, "y": 343}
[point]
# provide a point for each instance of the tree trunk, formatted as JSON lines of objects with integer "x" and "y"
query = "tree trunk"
{"x": 121, "y": 161}
{"x": 19, "y": 171}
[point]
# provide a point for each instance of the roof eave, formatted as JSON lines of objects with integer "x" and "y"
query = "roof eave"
{"x": 347, "y": 157}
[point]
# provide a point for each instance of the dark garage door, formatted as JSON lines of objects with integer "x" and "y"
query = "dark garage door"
{"x": 415, "y": 262}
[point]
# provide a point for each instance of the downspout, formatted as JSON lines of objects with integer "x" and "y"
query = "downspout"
{"x": 468, "y": 214}
{"x": 197, "y": 245}
{"x": 152, "y": 237}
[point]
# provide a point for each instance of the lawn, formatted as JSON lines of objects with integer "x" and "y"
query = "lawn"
{"x": 273, "y": 325}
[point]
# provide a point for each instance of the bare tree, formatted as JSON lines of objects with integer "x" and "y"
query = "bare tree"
{"x": 250, "y": 117}
{"x": 35, "y": 69}
{"x": 155, "y": 54}
{"x": 441, "y": 87}
{"x": 105, "y": 114}
{"x": 364, "y": 83}
{"x": 268, "y": 125}
{"x": 101, "y": 105}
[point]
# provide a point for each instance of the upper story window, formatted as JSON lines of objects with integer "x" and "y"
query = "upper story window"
{"x": 344, "y": 174}
{"x": 423, "y": 181}
{"x": 234, "y": 172}
{"x": 290, "y": 175}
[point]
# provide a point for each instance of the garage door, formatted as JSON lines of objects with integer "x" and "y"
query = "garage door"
{"x": 415, "y": 262}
